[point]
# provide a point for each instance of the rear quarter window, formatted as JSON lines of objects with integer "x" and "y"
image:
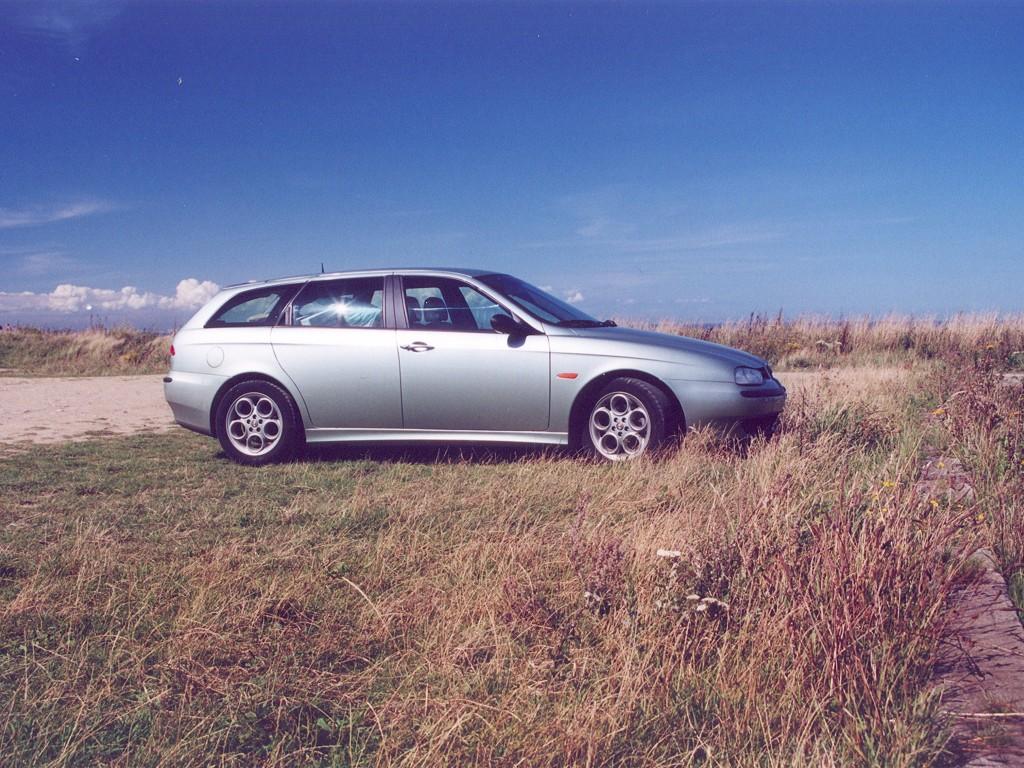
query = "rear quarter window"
{"x": 259, "y": 307}
{"x": 354, "y": 302}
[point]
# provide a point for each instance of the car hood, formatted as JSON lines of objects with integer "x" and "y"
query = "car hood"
{"x": 661, "y": 346}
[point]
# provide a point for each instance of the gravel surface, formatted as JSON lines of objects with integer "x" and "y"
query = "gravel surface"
{"x": 41, "y": 410}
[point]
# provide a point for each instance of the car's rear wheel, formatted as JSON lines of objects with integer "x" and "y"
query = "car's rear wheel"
{"x": 629, "y": 418}
{"x": 257, "y": 423}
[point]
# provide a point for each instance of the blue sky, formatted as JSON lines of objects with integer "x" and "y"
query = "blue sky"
{"x": 690, "y": 160}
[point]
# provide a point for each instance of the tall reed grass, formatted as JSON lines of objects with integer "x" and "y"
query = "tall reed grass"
{"x": 805, "y": 342}
{"x": 981, "y": 414}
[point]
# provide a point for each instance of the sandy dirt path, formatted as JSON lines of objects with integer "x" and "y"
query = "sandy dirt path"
{"x": 59, "y": 409}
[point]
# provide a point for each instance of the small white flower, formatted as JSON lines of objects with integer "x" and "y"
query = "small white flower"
{"x": 714, "y": 601}
{"x": 669, "y": 553}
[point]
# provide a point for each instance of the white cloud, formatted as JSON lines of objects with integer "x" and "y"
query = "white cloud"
{"x": 26, "y": 301}
{"x": 190, "y": 294}
{"x": 37, "y": 262}
{"x": 34, "y": 216}
{"x": 193, "y": 293}
{"x": 575, "y": 296}
{"x": 731, "y": 236}
{"x": 72, "y": 24}
{"x": 628, "y": 220}
{"x": 604, "y": 227}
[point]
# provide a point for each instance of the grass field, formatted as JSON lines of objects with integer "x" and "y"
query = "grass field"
{"x": 778, "y": 605}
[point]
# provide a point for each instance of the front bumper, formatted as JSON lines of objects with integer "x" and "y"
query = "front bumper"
{"x": 723, "y": 404}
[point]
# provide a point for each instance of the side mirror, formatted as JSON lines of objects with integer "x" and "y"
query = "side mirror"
{"x": 505, "y": 324}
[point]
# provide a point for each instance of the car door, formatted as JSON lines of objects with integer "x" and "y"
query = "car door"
{"x": 458, "y": 373}
{"x": 336, "y": 346}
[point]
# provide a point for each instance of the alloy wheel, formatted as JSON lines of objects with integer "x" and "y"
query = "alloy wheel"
{"x": 254, "y": 424}
{"x": 620, "y": 426}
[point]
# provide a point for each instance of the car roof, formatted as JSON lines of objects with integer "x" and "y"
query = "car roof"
{"x": 460, "y": 271}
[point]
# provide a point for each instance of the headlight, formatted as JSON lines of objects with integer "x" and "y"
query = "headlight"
{"x": 747, "y": 376}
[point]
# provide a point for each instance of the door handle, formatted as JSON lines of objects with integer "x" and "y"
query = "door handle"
{"x": 418, "y": 346}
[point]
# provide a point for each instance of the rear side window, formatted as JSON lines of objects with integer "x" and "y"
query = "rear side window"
{"x": 444, "y": 304}
{"x": 355, "y": 302}
{"x": 253, "y": 308}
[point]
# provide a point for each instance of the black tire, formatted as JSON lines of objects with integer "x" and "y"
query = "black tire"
{"x": 286, "y": 443}
{"x": 661, "y": 410}
{"x": 763, "y": 426}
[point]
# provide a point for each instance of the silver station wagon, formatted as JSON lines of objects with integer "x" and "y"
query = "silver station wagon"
{"x": 449, "y": 355}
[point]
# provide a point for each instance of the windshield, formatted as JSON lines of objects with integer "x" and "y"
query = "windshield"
{"x": 541, "y": 305}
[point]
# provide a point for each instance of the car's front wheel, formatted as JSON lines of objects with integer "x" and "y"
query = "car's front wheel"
{"x": 257, "y": 423}
{"x": 629, "y": 418}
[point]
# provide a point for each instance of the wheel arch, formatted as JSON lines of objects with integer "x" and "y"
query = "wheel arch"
{"x": 587, "y": 395}
{"x": 251, "y": 376}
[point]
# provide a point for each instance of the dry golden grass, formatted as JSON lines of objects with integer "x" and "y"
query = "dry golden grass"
{"x": 981, "y": 416}
{"x": 779, "y": 605}
{"x": 809, "y": 342}
{"x": 97, "y": 352}
{"x": 162, "y": 606}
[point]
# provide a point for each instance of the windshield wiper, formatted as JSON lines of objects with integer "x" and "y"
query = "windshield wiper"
{"x": 586, "y": 324}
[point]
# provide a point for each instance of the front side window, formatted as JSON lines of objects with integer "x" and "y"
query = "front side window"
{"x": 356, "y": 302}
{"x": 444, "y": 304}
{"x": 253, "y": 308}
{"x": 538, "y": 303}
